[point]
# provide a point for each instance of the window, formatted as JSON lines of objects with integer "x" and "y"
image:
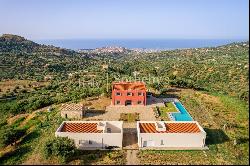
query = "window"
{"x": 90, "y": 142}
{"x": 118, "y": 94}
{"x": 139, "y": 102}
{"x": 140, "y": 94}
{"x": 83, "y": 141}
{"x": 128, "y": 102}
{"x": 108, "y": 130}
{"x": 118, "y": 102}
{"x": 162, "y": 143}
{"x": 129, "y": 94}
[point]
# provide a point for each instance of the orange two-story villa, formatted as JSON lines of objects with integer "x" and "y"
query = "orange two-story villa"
{"x": 128, "y": 93}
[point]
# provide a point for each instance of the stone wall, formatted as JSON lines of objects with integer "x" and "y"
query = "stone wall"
{"x": 72, "y": 114}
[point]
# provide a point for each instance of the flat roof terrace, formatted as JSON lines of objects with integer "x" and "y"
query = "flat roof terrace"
{"x": 170, "y": 127}
{"x": 129, "y": 85}
{"x": 91, "y": 127}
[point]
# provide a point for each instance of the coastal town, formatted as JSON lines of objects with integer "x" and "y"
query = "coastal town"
{"x": 117, "y": 49}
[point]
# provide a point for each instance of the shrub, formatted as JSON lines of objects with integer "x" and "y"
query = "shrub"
{"x": 10, "y": 136}
{"x": 61, "y": 147}
{"x": 3, "y": 123}
{"x": 91, "y": 156}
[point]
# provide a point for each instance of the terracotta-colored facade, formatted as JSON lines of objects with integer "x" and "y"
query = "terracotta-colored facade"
{"x": 129, "y": 93}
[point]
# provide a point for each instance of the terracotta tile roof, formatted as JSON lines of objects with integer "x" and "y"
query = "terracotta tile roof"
{"x": 129, "y": 86}
{"x": 72, "y": 107}
{"x": 170, "y": 128}
{"x": 80, "y": 128}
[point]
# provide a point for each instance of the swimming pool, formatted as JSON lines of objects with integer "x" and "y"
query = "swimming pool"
{"x": 183, "y": 115}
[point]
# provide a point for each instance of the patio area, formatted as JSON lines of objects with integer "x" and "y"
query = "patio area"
{"x": 146, "y": 113}
{"x": 113, "y": 112}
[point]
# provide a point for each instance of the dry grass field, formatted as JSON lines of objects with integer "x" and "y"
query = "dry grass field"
{"x": 18, "y": 85}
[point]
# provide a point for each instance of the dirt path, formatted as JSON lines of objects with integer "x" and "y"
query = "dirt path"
{"x": 14, "y": 118}
{"x": 132, "y": 158}
{"x": 33, "y": 114}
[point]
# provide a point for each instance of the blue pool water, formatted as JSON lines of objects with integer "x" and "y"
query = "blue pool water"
{"x": 183, "y": 115}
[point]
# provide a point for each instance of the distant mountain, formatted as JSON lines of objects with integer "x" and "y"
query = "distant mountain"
{"x": 14, "y": 38}
{"x": 24, "y": 59}
{"x": 9, "y": 43}
{"x": 18, "y": 44}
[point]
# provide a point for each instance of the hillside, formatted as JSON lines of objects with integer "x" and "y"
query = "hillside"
{"x": 24, "y": 59}
{"x": 213, "y": 111}
{"x": 17, "y": 44}
{"x": 223, "y": 69}
{"x": 211, "y": 82}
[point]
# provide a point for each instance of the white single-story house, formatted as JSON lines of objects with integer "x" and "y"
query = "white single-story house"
{"x": 92, "y": 134}
{"x": 170, "y": 135}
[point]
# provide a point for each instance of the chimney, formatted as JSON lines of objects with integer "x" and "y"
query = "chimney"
{"x": 160, "y": 126}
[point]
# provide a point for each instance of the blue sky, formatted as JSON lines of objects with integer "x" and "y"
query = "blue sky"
{"x": 85, "y": 19}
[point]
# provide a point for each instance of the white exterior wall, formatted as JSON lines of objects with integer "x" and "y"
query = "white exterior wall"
{"x": 173, "y": 140}
{"x": 191, "y": 140}
{"x": 99, "y": 140}
{"x": 113, "y": 139}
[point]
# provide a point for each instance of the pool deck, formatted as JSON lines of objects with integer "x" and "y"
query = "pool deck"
{"x": 170, "y": 116}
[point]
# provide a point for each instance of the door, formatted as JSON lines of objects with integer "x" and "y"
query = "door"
{"x": 148, "y": 143}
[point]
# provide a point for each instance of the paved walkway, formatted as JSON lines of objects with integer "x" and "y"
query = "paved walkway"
{"x": 132, "y": 157}
{"x": 129, "y": 140}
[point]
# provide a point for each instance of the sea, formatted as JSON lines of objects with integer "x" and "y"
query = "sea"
{"x": 156, "y": 44}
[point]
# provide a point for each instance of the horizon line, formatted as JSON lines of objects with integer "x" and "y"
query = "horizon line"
{"x": 141, "y": 39}
{"x": 138, "y": 38}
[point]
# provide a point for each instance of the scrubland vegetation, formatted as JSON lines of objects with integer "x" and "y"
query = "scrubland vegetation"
{"x": 212, "y": 82}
